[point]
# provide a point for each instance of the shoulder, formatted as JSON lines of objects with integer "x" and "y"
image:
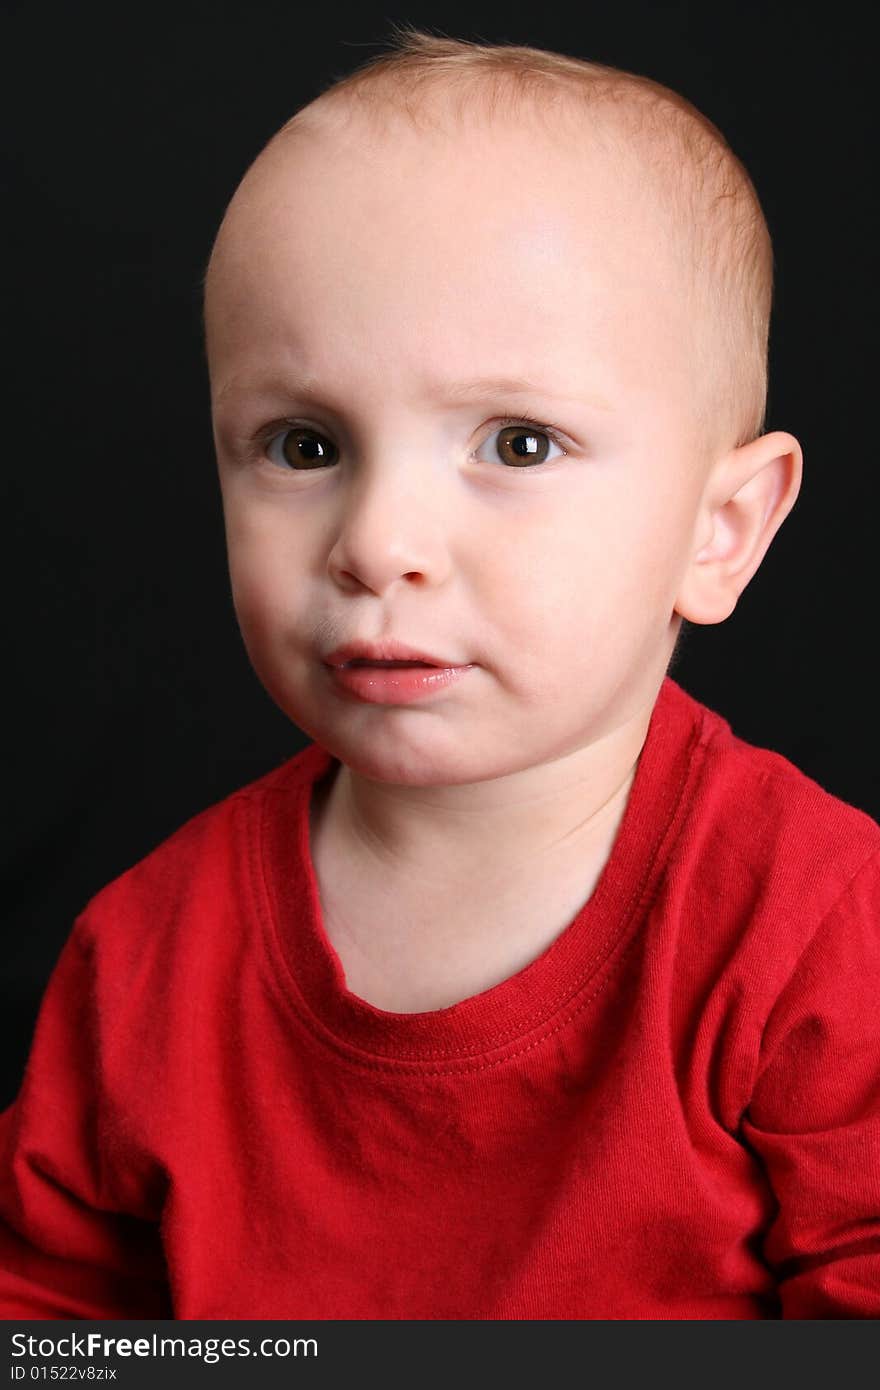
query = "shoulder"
{"x": 199, "y": 871}
{"x": 794, "y": 844}
{"x": 155, "y": 957}
{"x": 769, "y": 905}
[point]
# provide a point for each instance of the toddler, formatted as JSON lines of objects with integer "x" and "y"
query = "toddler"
{"x": 526, "y": 990}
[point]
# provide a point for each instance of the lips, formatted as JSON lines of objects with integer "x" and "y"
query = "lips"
{"x": 359, "y": 661}
{"x": 381, "y": 681}
{"x": 386, "y": 653}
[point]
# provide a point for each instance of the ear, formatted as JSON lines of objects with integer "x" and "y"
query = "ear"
{"x": 748, "y": 495}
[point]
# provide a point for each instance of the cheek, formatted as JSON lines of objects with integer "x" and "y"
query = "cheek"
{"x": 263, "y": 574}
{"x": 594, "y": 574}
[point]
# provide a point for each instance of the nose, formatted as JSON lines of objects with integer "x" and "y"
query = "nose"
{"x": 389, "y": 528}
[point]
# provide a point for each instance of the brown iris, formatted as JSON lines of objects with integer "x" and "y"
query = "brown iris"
{"x": 304, "y": 448}
{"x": 520, "y": 444}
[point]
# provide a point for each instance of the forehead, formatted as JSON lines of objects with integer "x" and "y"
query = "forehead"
{"x": 359, "y": 250}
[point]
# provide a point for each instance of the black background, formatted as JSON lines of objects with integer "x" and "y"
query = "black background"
{"x": 129, "y": 701}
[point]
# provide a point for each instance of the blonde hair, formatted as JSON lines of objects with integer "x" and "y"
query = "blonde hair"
{"x": 713, "y": 210}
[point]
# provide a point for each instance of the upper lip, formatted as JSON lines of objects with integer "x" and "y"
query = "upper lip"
{"x": 383, "y": 651}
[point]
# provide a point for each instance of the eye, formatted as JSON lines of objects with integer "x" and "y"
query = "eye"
{"x": 525, "y": 443}
{"x": 301, "y": 448}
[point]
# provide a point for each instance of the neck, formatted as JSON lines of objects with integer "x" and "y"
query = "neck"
{"x": 510, "y": 827}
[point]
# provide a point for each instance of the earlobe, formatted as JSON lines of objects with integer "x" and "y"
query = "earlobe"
{"x": 748, "y": 495}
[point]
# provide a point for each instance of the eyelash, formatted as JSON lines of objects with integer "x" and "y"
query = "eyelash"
{"x": 274, "y": 431}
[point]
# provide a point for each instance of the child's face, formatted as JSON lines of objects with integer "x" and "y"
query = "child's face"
{"x": 365, "y": 292}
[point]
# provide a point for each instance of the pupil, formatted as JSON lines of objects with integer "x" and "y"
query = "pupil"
{"x": 525, "y": 444}
{"x": 301, "y": 446}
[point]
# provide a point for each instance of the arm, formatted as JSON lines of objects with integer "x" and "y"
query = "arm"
{"x": 69, "y": 1246}
{"x": 814, "y": 1116}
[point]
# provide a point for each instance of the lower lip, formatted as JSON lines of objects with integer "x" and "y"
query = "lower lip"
{"x": 395, "y": 685}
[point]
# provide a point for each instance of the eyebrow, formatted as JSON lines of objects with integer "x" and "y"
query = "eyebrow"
{"x": 514, "y": 386}
{"x": 454, "y": 391}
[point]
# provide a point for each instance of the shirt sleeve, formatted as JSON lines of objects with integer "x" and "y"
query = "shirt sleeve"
{"x": 69, "y": 1246}
{"x": 814, "y": 1116}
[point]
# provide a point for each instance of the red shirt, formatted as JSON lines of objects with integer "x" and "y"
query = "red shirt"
{"x": 673, "y": 1112}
